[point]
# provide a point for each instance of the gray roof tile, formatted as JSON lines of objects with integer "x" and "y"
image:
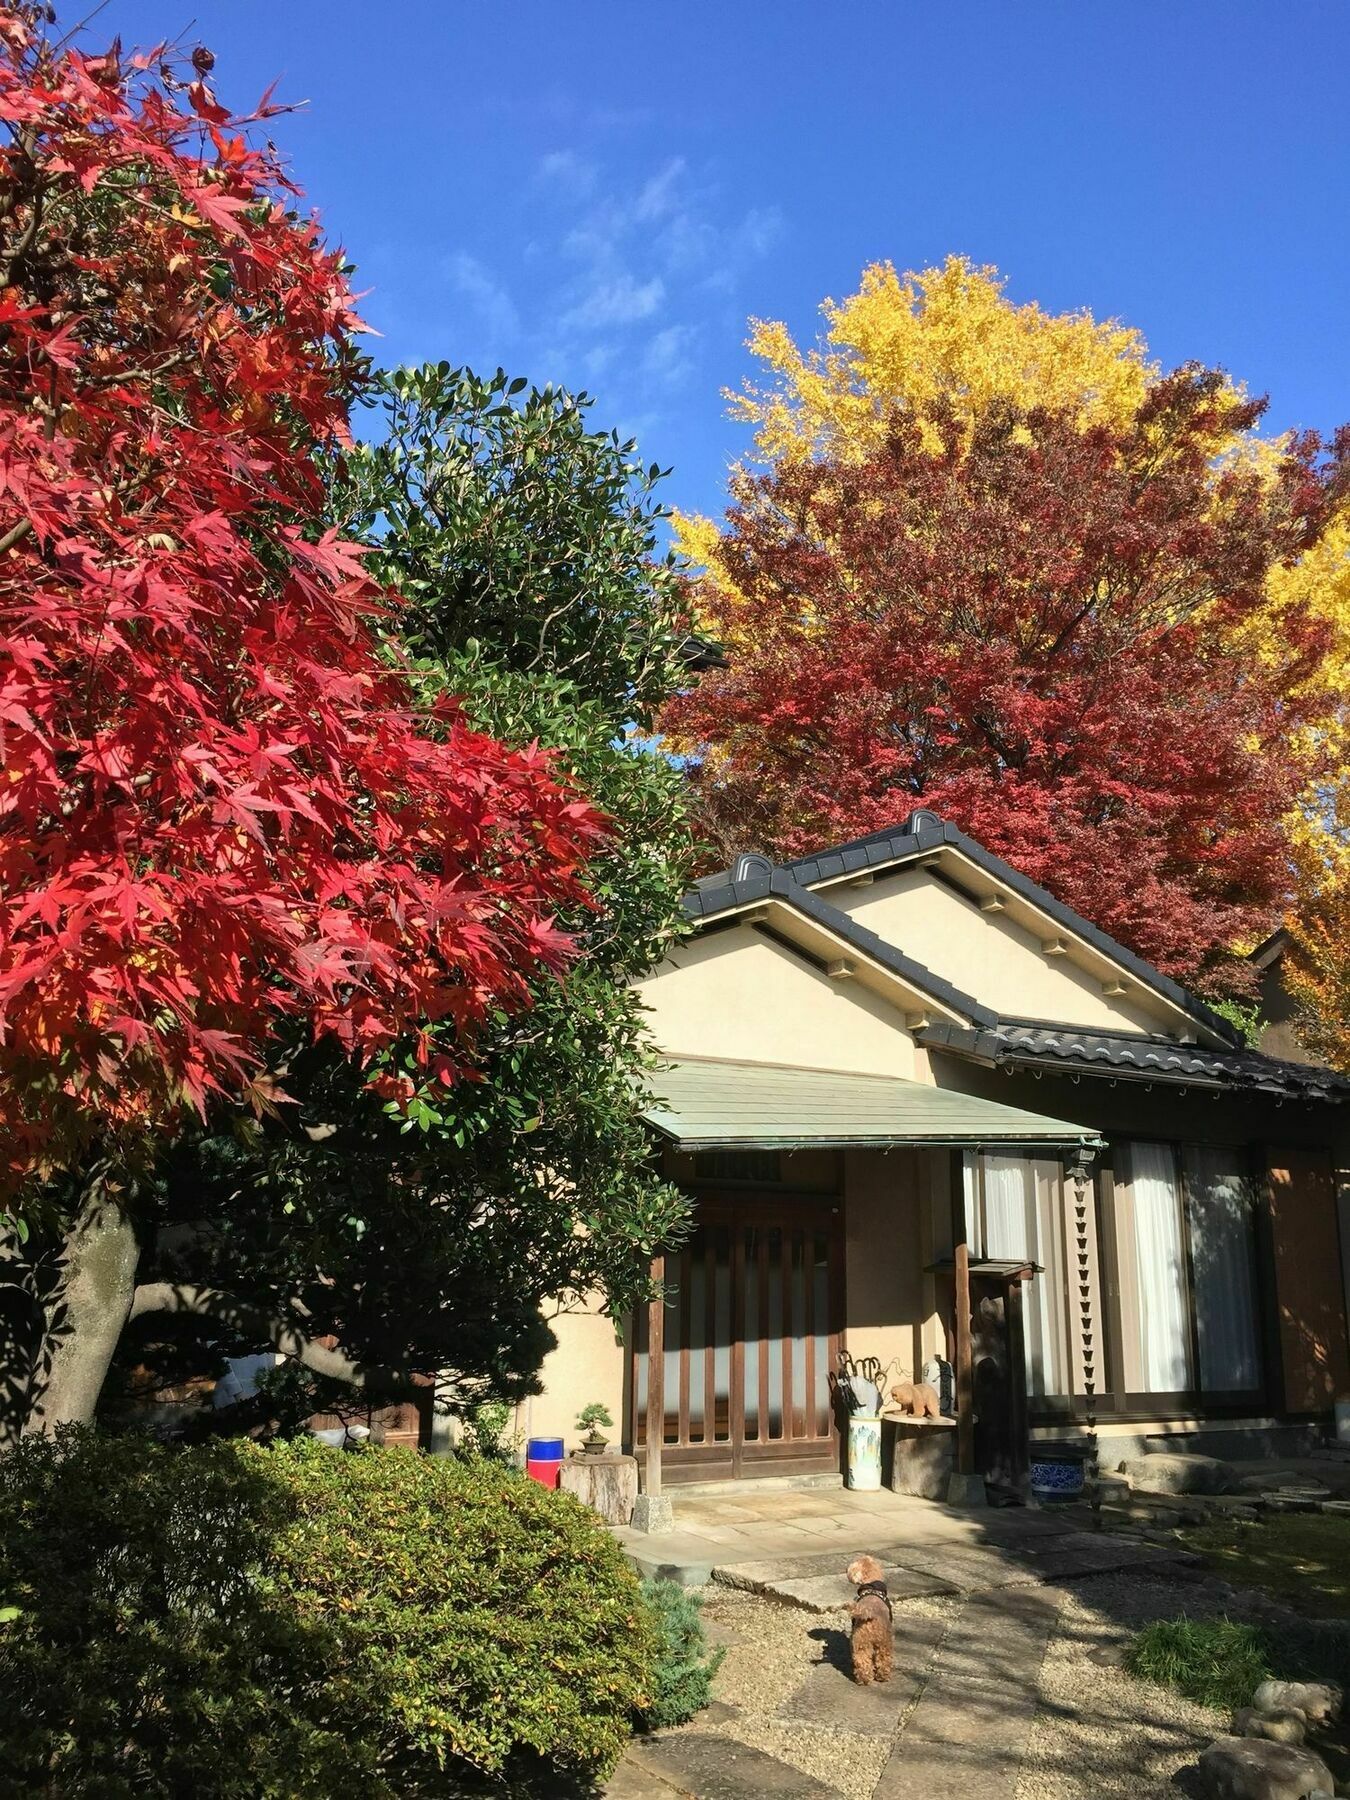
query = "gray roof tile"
{"x": 1013, "y": 1045}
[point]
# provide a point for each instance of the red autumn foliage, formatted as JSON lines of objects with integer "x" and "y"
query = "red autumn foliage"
{"x": 217, "y": 810}
{"x": 1033, "y": 633}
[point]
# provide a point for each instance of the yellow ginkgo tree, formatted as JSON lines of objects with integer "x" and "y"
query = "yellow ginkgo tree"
{"x": 943, "y": 348}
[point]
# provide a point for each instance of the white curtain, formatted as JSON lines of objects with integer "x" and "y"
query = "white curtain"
{"x": 1009, "y": 1208}
{"x": 1160, "y": 1261}
{"x": 1222, "y": 1225}
{"x": 1016, "y": 1226}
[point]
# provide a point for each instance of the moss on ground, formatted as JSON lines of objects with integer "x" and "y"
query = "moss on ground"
{"x": 1302, "y": 1559}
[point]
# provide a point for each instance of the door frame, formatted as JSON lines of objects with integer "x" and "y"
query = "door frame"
{"x": 685, "y": 1461}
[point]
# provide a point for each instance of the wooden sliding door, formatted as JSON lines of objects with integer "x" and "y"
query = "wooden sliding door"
{"x": 753, "y": 1319}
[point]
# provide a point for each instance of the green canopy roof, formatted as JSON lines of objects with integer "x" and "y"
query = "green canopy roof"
{"x": 707, "y": 1105}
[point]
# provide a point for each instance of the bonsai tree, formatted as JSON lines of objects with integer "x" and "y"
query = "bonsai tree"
{"x": 591, "y": 1420}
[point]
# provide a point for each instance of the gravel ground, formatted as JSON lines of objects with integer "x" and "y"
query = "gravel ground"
{"x": 1100, "y": 1732}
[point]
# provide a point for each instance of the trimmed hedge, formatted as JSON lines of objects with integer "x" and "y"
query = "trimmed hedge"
{"x": 231, "y": 1620}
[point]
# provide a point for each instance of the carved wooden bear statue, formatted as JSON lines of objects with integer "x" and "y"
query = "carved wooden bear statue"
{"x": 917, "y": 1397}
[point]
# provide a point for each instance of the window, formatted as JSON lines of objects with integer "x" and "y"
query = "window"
{"x": 1185, "y": 1247}
{"x": 760, "y": 1166}
{"x": 1016, "y": 1208}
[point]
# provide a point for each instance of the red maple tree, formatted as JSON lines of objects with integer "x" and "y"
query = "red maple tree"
{"x": 217, "y": 810}
{"x": 1032, "y": 632}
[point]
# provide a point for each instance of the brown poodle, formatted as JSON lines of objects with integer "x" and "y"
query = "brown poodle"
{"x": 873, "y": 1643}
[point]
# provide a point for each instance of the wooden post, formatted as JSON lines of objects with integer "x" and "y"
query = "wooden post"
{"x": 656, "y": 1381}
{"x": 1017, "y": 1386}
{"x": 965, "y": 1385}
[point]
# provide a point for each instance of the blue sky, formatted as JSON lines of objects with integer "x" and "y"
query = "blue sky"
{"x": 599, "y": 194}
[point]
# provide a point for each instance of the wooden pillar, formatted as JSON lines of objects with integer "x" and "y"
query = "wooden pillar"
{"x": 656, "y": 1379}
{"x": 965, "y": 1384}
{"x": 1018, "y": 1431}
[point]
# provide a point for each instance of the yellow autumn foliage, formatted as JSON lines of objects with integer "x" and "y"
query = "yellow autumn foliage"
{"x": 950, "y": 339}
{"x": 944, "y": 336}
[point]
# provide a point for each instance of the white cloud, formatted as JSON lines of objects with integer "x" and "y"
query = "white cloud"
{"x": 574, "y": 174}
{"x": 759, "y": 231}
{"x": 659, "y": 194}
{"x": 614, "y": 300}
{"x": 620, "y": 283}
{"x": 668, "y": 357}
{"x": 490, "y": 299}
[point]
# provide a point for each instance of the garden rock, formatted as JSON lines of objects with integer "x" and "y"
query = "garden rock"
{"x": 1267, "y": 1480}
{"x": 1177, "y": 1472}
{"x": 1286, "y": 1726}
{"x": 1319, "y": 1701}
{"x": 1237, "y": 1768}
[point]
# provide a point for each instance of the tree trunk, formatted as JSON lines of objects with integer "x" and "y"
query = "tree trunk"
{"x": 86, "y": 1317}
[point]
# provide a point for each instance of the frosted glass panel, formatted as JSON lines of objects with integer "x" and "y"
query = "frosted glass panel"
{"x": 820, "y": 1279}
{"x": 774, "y": 1261}
{"x": 798, "y": 1336}
{"x": 721, "y": 1353}
{"x": 753, "y": 1347}
{"x": 698, "y": 1288}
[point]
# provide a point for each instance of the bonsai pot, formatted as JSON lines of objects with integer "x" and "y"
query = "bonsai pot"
{"x": 593, "y": 1444}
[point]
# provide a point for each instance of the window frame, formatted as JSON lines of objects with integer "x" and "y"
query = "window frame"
{"x": 1193, "y": 1401}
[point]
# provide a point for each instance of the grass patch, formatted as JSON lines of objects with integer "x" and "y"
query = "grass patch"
{"x": 1215, "y": 1661}
{"x": 1301, "y": 1558}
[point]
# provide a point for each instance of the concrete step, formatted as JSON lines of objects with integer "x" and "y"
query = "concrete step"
{"x": 750, "y": 1485}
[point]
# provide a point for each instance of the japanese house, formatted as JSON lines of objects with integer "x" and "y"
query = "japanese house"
{"x": 904, "y": 1080}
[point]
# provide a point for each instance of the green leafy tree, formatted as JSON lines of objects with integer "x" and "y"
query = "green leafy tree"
{"x": 429, "y": 1221}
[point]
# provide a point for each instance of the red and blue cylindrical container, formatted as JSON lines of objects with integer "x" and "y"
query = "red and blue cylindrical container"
{"x": 544, "y": 1460}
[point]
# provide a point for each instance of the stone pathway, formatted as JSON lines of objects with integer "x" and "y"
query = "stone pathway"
{"x": 956, "y": 1719}
{"x": 956, "y": 1715}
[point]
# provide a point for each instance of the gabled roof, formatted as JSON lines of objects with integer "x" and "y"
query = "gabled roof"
{"x": 1012, "y": 1045}
{"x": 976, "y": 1032}
{"x": 755, "y": 879}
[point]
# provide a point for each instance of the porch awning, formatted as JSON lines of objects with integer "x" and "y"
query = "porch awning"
{"x": 706, "y": 1104}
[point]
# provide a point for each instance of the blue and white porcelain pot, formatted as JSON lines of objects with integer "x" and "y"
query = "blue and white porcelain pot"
{"x": 1057, "y": 1472}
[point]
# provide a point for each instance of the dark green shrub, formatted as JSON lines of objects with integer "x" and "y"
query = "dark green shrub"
{"x": 1215, "y": 1661}
{"x": 682, "y": 1677}
{"x": 232, "y": 1620}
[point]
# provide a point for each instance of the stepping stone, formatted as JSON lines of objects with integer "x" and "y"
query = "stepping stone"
{"x": 1001, "y": 1639}
{"x": 971, "y": 1570}
{"x": 963, "y": 1739}
{"x": 834, "y": 1700}
{"x": 816, "y": 1592}
{"x": 708, "y": 1767}
{"x": 780, "y": 1568}
{"x": 629, "y": 1782}
{"x": 830, "y": 1697}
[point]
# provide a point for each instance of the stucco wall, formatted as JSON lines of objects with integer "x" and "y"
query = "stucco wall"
{"x": 740, "y": 995}
{"x": 988, "y": 956}
{"x": 588, "y": 1364}
{"x": 896, "y": 1222}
